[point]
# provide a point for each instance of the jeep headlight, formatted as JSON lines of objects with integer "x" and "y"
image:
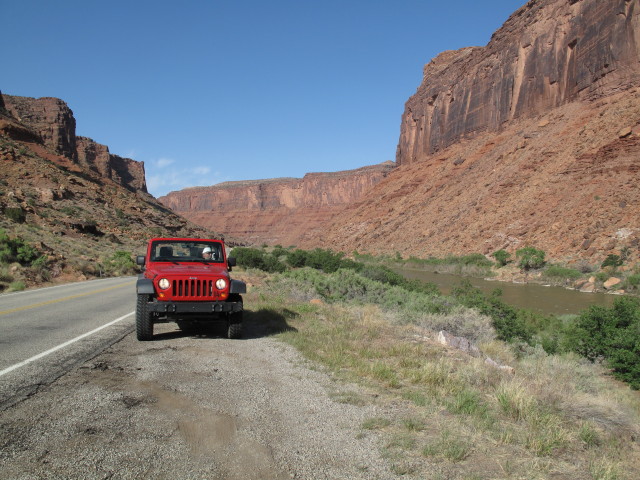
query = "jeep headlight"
{"x": 221, "y": 284}
{"x": 164, "y": 283}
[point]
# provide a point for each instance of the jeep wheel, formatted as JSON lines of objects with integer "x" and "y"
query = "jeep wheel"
{"x": 144, "y": 324}
{"x": 234, "y": 319}
{"x": 234, "y": 329}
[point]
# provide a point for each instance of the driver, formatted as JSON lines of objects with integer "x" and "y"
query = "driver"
{"x": 208, "y": 254}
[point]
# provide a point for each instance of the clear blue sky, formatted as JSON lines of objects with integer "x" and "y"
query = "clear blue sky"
{"x": 205, "y": 91}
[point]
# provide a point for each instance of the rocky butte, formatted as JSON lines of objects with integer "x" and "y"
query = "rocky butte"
{"x": 55, "y": 126}
{"x": 276, "y": 211}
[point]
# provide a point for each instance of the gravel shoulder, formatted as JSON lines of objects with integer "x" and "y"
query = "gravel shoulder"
{"x": 192, "y": 407}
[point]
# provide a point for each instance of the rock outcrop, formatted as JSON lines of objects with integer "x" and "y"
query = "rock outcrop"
{"x": 125, "y": 171}
{"x": 51, "y": 121}
{"x": 50, "y": 118}
{"x": 548, "y": 53}
{"x": 276, "y": 211}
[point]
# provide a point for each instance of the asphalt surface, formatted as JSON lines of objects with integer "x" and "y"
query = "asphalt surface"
{"x": 46, "y": 332}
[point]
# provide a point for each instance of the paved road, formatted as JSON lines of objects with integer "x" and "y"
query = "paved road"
{"x": 45, "y": 332}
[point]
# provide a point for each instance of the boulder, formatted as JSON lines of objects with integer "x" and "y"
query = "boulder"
{"x": 611, "y": 282}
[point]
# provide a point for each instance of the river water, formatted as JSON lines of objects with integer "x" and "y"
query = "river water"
{"x": 540, "y": 298}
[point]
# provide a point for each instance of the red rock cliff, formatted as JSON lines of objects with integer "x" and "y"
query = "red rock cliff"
{"x": 52, "y": 120}
{"x": 531, "y": 140}
{"x": 548, "y": 53}
{"x": 276, "y": 211}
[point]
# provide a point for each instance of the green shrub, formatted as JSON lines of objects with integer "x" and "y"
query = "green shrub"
{"x": 530, "y": 258}
{"x": 120, "y": 263}
{"x": 556, "y": 271}
{"x": 611, "y": 334}
{"x": 612, "y": 261}
{"x": 633, "y": 282}
{"x": 297, "y": 258}
{"x": 249, "y": 257}
{"x": 324, "y": 260}
{"x": 17, "y": 286}
{"x": 475, "y": 259}
{"x": 16, "y": 250}
{"x": 509, "y": 324}
{"x": 502, "y": 257}
{"x": 15, "y": 214}
{"x": 256, "y": 258}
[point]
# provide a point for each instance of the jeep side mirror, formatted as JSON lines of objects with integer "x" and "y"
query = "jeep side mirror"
{"x": 231, "y": 261}
{"x": 140, "y": 260}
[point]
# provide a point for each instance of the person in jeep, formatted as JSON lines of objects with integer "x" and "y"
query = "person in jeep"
{"x": 209, "y": 254}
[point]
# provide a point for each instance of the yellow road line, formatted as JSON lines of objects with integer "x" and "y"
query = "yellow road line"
{"x": 36, "y": 305}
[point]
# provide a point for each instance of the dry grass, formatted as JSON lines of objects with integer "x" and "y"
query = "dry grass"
{"x": 453, "y": 416}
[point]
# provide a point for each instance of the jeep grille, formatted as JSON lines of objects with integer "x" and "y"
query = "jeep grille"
{"x": 190, "y": 289}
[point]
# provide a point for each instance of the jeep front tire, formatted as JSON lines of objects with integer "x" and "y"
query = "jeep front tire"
{"x": 144, "y": 324}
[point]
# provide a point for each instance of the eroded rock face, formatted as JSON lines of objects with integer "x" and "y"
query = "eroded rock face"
{"x": 125, "y": 171}
{"x": 548, "y": 53}
{"x": 51, "y": 118}
{"x": 53, "y": 122}
{"x": 276, "y": 211}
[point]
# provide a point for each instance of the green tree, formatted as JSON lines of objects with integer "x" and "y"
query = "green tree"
{"x": 612, "y": 261}
{"x": 502, "y": 257}
{"x": 611, "y": 334}
{"x": 530, "y": 258}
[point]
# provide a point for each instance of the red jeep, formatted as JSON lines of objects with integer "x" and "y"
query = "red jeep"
{"x": 186, "y": 280}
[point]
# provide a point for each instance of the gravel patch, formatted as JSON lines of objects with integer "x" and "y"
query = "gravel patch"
{"x": 193, "y": 407}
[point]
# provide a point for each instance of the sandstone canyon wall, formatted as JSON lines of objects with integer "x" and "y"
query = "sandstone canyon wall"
{"x": 53, "y": 121}
{"x": 531, "y": 140}
{"x": 282, "y": 211}
{"x": 548, "y": 53}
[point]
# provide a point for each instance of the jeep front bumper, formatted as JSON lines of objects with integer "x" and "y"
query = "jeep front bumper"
{"x": 194, "y": 307}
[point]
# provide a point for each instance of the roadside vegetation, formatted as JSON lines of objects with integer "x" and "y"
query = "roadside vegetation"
{"x": 553, "y": 410}
{"x": 23, "y": 264}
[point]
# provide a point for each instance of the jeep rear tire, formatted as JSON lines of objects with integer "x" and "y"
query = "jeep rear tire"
{"x": 144, "y": 324}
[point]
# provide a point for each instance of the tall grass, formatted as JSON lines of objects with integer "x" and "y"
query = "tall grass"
{"x": 557, "y": 413}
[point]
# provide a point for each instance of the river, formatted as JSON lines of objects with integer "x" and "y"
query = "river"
{"x": 540, "y": 298}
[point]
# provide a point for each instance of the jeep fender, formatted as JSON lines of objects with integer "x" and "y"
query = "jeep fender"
{"x": 144, "y": 286}
{"x": 237, "y": 286}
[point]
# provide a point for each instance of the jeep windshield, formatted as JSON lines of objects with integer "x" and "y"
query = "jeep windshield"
{"x": 176, "y": 251}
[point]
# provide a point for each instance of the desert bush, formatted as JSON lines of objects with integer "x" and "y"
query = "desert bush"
{"x": 530, "y": 258}
{"x": 613, "y": 335}
{"x": 324, "y": 260}
{"x": 612, "y": 261}
{"x": 584, "y": 266}
{"x": 17, "y": 286}
{"x": 633, "y": 282}
{"x": 502, "y": 257}
{"x": 16, "y": 250}
{"x": 296, "y": 258}
{"x": 558, "y": 272}
{"x": 120, "y": 263}
{"x": 508, "y": 322}
{"x": 15, "y": 214}
{"x": 257, "y": 258}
